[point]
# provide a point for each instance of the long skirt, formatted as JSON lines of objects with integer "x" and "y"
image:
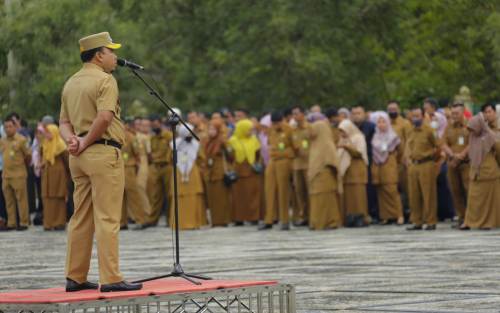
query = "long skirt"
{"x": 218, "y": 196}
{"x": 192, "y": 213}
{"x": 355, "y": 200}
{"x": 324, "y": 211}
{"x": 483, "y": 204}
{"x": 389, "y": 202}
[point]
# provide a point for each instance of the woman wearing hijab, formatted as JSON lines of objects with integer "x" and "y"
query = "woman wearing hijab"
{"x": 353, "y": 168}
{"x": 322, "y": 178}
{"x": 387, "y": 152}
{"x": 54, "y": 178}
{"x": 217, "y": 192}
{"x": 245, "y": 148}
{"x": 190, "y": 161}
{"x": 484, "y": 186}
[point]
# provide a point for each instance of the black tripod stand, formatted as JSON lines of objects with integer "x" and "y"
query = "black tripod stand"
{"x": 174, "y": 121}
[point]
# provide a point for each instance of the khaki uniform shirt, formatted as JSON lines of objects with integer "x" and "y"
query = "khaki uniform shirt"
{"x": 456, "y": 137}
{"x": 422, "y": 143}
{"x": 160, "y": 147}
{"x": 131, "y": 150}
{"x": 88, "y": 91}
{"x": 15, "y": 151}
{"x": 402, "y": 127}
{"x": 280, "y": 143}
{"x": 301, "y": 140}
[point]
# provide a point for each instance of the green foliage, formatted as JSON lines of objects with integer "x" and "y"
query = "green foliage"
{"x": 257, "y": 54}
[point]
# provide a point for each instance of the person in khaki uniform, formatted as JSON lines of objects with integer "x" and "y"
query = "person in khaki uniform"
{"x": 353, "y": 168}
{"x": 54, "y": 177}
{"x": 278, "y": 173}
{"x": 484, "y": 184}
{"x": 16, "y": 155}
{"x": 91, "y": 126}
{"x": 402, "y": 127}
{"x": 334, "y": 119}
{"x": 421, "y": 150}
{"x": 160, "y": 170}
{"x": 301, "y": 139}
{"x": 218, "y": 194}
{"x": 456, "y": 148}
{"x": 387, "y": 153}
{"x": 323, "y": 179}
{"x": 135, "y": 201}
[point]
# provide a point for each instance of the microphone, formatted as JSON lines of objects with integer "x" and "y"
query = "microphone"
{"x": 132, "y": 65}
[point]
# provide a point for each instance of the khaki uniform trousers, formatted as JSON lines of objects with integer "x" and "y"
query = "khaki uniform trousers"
{"x": 422, "y": 187}
{"x": 135, "y": 201}
{"x": 277, "y": 191}
{"x": 458, "y": 178}
{"x": 158, "y": 189}
{"x": 301, "y": 208}
{"x": 98, "y": 175}
{"x": 16, "y": 196}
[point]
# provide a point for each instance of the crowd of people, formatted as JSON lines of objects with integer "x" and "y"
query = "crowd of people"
{"x": 321, "y": 168}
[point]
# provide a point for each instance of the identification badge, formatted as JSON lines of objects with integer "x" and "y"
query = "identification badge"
{"x": 461, "y": 141}
{"x": 125, "y": 156}
{"x": 210, "y": 162}
{"x": 305, "y": 144}
{"x": 281, "y": 146}
{"x": 434, "y": 124}
{"x": 12, "y": 154}
{"x": 384, "y": 147}
{"x": 184, "y": 158}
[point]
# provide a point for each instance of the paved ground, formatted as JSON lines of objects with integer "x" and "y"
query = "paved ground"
{"x": 376, "y": 269}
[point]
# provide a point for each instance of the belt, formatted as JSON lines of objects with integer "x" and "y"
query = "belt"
{"x": 160, "y": 163}
{"x": 106, "y": 142}
{"x": 424, "y": 160}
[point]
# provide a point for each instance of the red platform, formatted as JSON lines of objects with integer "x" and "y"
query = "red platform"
{"x": 152, "y": 288}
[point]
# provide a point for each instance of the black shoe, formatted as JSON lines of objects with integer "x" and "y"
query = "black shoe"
{"x": 464, "y": 227}
{"x": 414, "y": 227}
{"x": 285, "y": 227}
{"x": 238, "y": 224}
{"x": 60, "y": 228}
{"x": 430, "y": 227}
{"x": 254, "y": 223}
{"x": 72, "y": 286}
{"x": 265, "y": 227}
{"x": 121, "y": 286}
{"x": 22, "y": 228}
{"x": 301, "y": 224}
{"x": 6, "y": 228}
{"x": 124, "y": 227}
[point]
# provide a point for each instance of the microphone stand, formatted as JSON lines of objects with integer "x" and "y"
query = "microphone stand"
{"x": 174, "y": 120}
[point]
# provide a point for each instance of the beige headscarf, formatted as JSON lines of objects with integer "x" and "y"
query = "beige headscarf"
{"x": 323, "y": 151}
{"x": 51, "y": 148}
{"x": 482, "y": 139}
{"x": 355, "y": 138}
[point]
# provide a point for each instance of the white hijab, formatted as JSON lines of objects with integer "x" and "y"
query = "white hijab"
{"x": 355, "y": 138}
{"x": 187, "y": 151}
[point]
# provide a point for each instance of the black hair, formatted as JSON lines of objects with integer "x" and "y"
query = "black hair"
{"x": 300, "y": 108}
{"x": 243, "y": 110}
{"x": 287, "y": 111}
{"x": 13, "y": 115}
{"x": 87, "y": 56}
{"x": 154, "y": 117}
{"x": 486, "y": 105}
{"x": 24, "y": 123}
{"x": 9, "y": 120}
{"x": 433, "y": 102}
{"x": 359, "y": 105}
{"x": 276, "y": 116}
{"x": 393, "y": 101}
{"x": 331, "y": 112}
{"x": 458, "y": 105}
{"x": 419, "y": 108}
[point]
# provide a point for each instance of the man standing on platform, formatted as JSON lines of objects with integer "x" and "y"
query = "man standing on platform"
{"x": 160, "y": 171}
{"x": 359, "y": 118}
{"x": 421, "y": 151}
{"x": 301, "y": 140}
{"x": 91, "y": 126}
{"x": 456, "y": 148}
